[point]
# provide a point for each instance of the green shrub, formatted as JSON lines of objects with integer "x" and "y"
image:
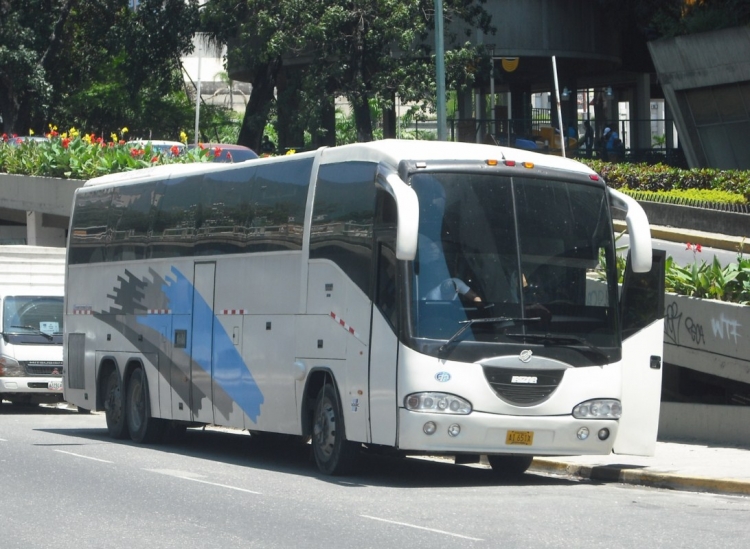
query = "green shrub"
{"x": 661, "y": 178}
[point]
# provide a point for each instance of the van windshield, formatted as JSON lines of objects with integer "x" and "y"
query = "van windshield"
{"x": 522, "y": 262}
{"x": 33, "y": 319}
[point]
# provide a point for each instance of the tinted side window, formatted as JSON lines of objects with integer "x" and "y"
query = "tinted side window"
{"x": 129, "y": 221}
{"x": 179, "y": 215}
{"x": 228, "y": 213}
{"x": 343, "y": 213}
{"x": 279, "y": 196}
{"x": 88, "y": 234}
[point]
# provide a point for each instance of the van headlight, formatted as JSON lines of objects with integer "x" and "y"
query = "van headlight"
{"x": 9, "y": 367}
{"x": 601, "y": 408}
{"x": 442, "y": 403}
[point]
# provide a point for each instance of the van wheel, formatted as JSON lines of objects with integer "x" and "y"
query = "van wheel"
{"x": 334, "y": 455}
{"x": 505, "y": 466}
{"x": 114, "y": 406}
{"x": 142, "y": 427}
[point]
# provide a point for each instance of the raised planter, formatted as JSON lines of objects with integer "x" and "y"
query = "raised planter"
{"x": 49, "y": 195}
{"x": 712, "y": 337}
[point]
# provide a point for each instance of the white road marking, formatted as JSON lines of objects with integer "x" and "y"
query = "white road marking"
{"x": 189, "y": 476}
{"x": 85, "y": 457}
{"x": 3, "y": 440}
{"x": 422, "y": 528}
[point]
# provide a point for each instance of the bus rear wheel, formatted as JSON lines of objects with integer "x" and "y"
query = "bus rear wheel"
{"x": 142, "y": 427}
{"x": 505, "y": 466}
{"x": 114, "y": 406}
{"x": 334, "y": 455}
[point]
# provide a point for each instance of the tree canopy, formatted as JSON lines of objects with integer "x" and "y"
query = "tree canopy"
{"x": 95, "y": 63}
{"x": 314, "y": 50}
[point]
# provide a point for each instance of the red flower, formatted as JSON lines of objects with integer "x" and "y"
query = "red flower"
{"x": 5, "y": 137}
{"x": 175, "y": 150}
{"x": 688, "y": 246}
{"x": 155, "y": 158}
{"x": 201, "y": 146}
{"x": 698, "y": 248}
{"x": 229, "y": 156}
{"x": 217, "y": 152}
{"x": 65, "y": 142}
{"x": 135, "y": 153}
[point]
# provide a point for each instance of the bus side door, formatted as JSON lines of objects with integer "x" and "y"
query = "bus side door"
{"x": 642, "y": 308}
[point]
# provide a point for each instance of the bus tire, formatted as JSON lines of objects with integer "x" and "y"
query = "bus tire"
{"x": 334, "y": 455}
{"x": 505, "y": 466}
{"x": 114, "y": 406}
{"x": 142, "y": 427}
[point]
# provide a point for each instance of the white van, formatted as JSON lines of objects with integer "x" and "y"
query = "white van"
{"x": 31, "y": 324}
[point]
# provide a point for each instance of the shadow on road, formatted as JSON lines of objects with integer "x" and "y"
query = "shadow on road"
{"x": 288, "y": 456}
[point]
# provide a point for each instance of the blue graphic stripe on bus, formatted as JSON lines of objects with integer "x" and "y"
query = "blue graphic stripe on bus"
{"x": 229, "y": 370}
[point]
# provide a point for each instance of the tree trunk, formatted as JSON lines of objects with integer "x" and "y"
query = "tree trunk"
{"x": 259, "y": 104}
{"x": 362, "y": 119}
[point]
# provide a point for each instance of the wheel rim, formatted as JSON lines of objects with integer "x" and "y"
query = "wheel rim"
{"x": 324, "y": 431}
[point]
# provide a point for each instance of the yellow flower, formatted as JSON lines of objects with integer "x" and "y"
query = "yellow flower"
{"x": 290, "y": 151}
{"x": 31, "y": 132}
{"x": 64, "y": 135}
{"x": 87, "y": 138}
{"x": 183, "y": 137}
{"x": 73, "y": 133}
{"x": 52, "y": 128}
{"x": 123, "y": 131}
{"x": 113, "y": 137}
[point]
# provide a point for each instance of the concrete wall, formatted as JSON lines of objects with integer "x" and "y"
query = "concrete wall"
{"x": 707, "y": 424}
{"x": 699, "y": 63}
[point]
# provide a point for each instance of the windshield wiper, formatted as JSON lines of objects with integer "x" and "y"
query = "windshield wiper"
{"x": 35, "y": 331}
{"x": 494, "y": 320}
{"x": 562, "y": 338}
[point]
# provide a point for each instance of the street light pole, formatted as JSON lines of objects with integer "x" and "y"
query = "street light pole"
{"x": 198, "y": 90}
{"x": 440, "y": 70}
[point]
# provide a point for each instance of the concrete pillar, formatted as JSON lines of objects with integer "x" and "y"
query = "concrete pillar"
{"x": 482, "y": 117}
{"x": 466, "y": 121}
{"x": 39, "y": 235}
{"x": 520, "y": 110}
{"x": 640, "y": 132}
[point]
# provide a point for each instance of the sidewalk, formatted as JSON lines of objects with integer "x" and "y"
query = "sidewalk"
{"x": 678, "y": 466}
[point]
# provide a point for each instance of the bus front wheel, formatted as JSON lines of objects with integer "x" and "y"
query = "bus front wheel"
{"x": 505, "y": 466}
{"x": 334, "y": 455}
{"x": 114, "y": 406}
{"x": 142, "y": 427}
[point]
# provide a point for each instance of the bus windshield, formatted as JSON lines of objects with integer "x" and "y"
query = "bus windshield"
{"x": 33, "y": 319}
{"x": 527, "y": 262}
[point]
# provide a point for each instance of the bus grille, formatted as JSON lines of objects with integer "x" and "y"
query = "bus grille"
{"x": 523, "y": 386}
{"x": 43, "y": 368}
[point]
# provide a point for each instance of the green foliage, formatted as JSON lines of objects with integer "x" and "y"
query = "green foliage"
{"x": 711, "y": 280}
{"x": 662, "y": 178}
{"x": 85, "y": 157}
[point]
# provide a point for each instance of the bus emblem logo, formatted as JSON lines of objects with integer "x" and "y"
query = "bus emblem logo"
{"x": 525, "y": 356}
{"x": 442, "y": 377}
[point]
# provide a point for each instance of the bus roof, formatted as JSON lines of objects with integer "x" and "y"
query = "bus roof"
{"x": 388, "y": 151}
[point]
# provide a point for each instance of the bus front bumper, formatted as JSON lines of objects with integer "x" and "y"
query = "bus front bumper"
{"x": 483, "y": 433}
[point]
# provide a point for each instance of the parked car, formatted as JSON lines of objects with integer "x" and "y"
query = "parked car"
{"x": 228, "y": 152}
{"x": 18, "y": 139}
{"x": 173, "y": 147}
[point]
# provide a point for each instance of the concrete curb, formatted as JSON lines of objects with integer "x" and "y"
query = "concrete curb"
{"x": 642, "y": 477}
{"x": 711, "y": 240}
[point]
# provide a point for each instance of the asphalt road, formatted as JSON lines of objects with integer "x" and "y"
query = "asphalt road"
{"x": 65, "y": 484}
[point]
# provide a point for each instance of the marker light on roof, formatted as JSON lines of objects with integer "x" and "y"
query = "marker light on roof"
{"x": 510, "y": 162}
{"x": 528, "y": 164}
{"x": 594, "y": 177}
{"x": 491, "y": 162}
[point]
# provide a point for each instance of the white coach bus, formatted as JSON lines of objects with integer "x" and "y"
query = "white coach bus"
{"x": 428, "y": 297}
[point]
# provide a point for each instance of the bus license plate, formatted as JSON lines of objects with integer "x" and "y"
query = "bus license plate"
{"x": 55, "y": 385}
{"x": 521, "y": 438}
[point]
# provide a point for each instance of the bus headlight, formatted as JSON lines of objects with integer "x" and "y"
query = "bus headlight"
{"x": 9, "y": 367}
{"x": 442, "y": 403}
{"x": 602, "y": 408}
